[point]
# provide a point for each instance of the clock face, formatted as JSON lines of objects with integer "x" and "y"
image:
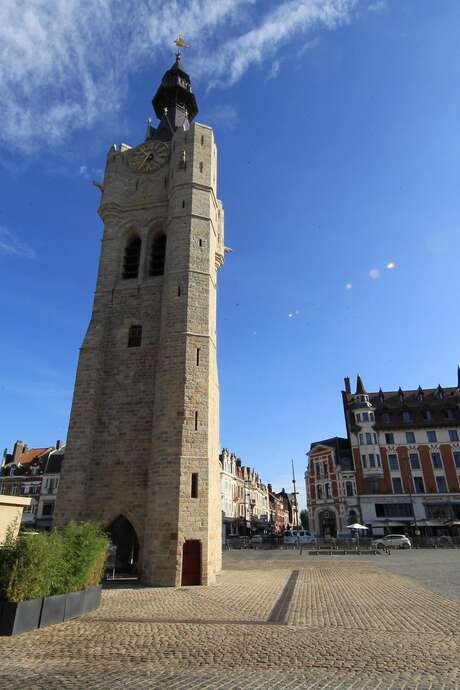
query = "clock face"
{"x": 149, "y": 156}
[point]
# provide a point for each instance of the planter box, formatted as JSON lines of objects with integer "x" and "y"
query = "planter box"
{"x": 53, "y": 610}
{"x": 74, "y": 605}
{"x": 20, "y": 617}
{"x": 92, "y": 598}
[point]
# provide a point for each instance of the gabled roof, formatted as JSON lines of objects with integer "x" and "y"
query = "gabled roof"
{"x": 32, "y": 454}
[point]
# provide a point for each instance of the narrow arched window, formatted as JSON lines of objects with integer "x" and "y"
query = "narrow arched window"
{"x": 158, "y": 255}
{"x": 132, "y": 258}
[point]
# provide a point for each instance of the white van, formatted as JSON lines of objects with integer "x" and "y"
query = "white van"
{"x": 298, "y": 536}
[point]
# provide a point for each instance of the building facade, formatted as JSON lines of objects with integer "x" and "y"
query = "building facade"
{"x": 331, "y": 488}
{"x": 404, "y": 447}
{"x": 147, "y": 384}
{"x": 35, "y": 473}
{"x": 244, "y": 496}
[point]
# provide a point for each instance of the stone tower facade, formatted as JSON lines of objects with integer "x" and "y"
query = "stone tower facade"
{"x": 143, "y": 442}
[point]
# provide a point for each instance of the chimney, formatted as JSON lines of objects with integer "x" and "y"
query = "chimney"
{"x": 58, "y": 444}
{"x": 19, "y": 449}
{"x": 347, "y": 384}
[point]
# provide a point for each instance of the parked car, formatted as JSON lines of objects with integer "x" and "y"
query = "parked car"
{"x": 298, "y": 536}
{"x": 392, "y": 541}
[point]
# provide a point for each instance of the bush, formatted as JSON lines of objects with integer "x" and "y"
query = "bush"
{"x": 40, "y": 565}
{"x": 85, "y": 552}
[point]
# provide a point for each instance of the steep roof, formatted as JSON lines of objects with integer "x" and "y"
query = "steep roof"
{"x": 342, "y": 448}
{"x": 416, "y": 401}
{"x": 32, "y": 454}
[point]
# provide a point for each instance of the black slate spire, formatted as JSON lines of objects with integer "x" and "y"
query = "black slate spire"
{"x": 360, "y": 390}
{"x": 174, "y": 103}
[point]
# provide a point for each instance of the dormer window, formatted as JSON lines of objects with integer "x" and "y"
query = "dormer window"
{"x": 386, "y": 418}
{"x": 365, "y": 416}
{"x": 407, "y": 416}
{"x": 427, "y": 415}
{"x": 358, "y": 416}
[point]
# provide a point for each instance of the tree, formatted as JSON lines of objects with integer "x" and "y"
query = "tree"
{"x": 304, "y": 519}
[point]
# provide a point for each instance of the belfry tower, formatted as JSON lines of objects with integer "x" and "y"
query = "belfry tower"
{"x": 142, "y": 451}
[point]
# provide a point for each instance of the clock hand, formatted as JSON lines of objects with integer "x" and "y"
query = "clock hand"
{"x": 147, "y": 157}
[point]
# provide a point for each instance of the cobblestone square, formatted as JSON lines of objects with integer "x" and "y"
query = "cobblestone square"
{"x": 273, "y": 620}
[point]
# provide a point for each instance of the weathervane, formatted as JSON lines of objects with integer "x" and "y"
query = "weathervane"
{"x": 180, "y": 43}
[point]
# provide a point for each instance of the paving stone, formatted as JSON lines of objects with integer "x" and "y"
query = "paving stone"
{"x": 277, "y": 624}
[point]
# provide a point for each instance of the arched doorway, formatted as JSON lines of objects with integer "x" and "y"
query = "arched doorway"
{"x": 327, "y": 524}
{"x": 124, "y": 537}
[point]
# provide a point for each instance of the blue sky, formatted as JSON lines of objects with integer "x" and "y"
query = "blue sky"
{"x": 338, "y": 131}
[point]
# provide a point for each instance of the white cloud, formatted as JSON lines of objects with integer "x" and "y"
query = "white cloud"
{"x": 391, "y": 265}
{"x": 377, "y": 6}
{"x": 224, "y": 115}
{"x": 274, "y": 70}
{"x": 292, "y": 17}
{"x": 64, "y": 65}
{"x": 374, "y": 273}
{"x": 11, "y": 245}
{"x": 348, "y": 286}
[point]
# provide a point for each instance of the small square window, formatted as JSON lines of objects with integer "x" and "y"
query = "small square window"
{"x": 431, "y": 436}
{"x": 441, "y": 484}
{"x": 135, "y": 336}
{"x": 397, "y": 485}
{"x": 414, "y": 461}
{"x": 390, "y": 439}
{"x": 410, "y": 437}
{"x": 419, "y": 486}
{"x": 437, "y": 462}
{"x": 453, "y": 435}
{"x": 394, "y": 464}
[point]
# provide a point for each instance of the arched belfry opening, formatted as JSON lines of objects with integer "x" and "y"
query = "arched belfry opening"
{"x": 158, "y": 255}
{"x": 124, "y": 537}
{"x": 132, "y": 258}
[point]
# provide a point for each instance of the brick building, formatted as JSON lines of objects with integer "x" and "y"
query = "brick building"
{"x": 403, "y": 468}
{"x": 331, "y": 488}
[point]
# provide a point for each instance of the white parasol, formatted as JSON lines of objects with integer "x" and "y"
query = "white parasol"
{"x": 356, "y": 525}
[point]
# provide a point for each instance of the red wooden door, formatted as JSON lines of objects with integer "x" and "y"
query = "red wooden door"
{"x": 191, "y": 562}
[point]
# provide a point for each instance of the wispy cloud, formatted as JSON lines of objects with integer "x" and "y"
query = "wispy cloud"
{"x": 289, "y": 19}
{"x": 12, "y": 245}
{"x": 65, "y": 65}
{"x": 224, "y": 115}
{"x": 274, "y": 70}
{"x": 377, "y": 6}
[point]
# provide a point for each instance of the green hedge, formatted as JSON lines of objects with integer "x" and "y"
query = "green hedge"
{"x": 40, "y": 565}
